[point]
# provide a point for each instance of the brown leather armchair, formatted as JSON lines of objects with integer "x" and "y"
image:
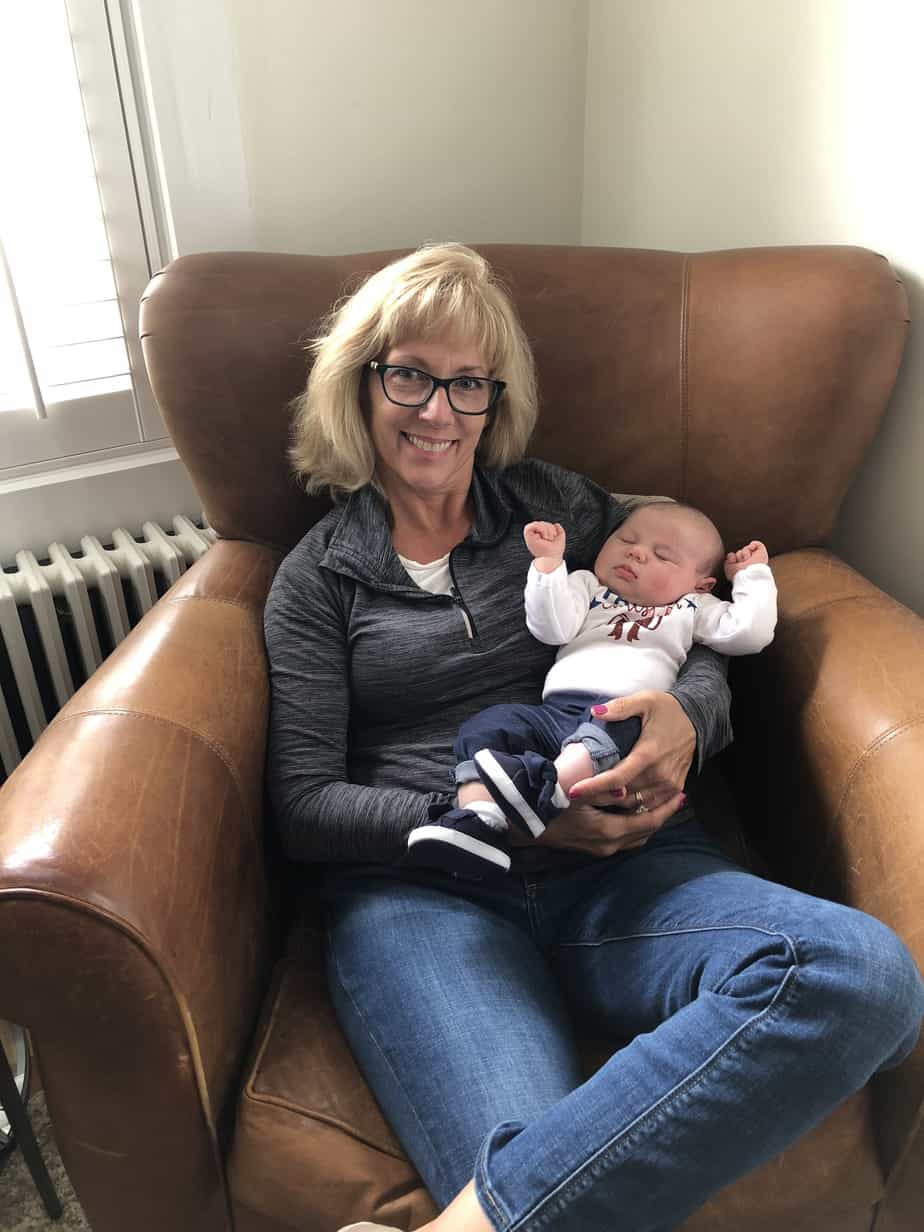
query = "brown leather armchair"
{"x": 171, "y": 978}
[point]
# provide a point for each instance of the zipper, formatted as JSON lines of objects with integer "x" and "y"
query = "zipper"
{"x": 457, "y": 599}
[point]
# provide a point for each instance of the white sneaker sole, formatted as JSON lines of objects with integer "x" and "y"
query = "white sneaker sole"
{"x": 465, "y": 842}
{"x": 486, "y": 761}
{"x": 368, "y": 1227}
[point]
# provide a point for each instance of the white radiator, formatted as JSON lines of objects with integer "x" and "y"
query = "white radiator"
{"x": 59, "y": 619}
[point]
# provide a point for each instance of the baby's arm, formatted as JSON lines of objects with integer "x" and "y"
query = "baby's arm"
{"x": 556, "y": 603}
{"x": 745, "y": 625}
{"x": 546, "y": 542}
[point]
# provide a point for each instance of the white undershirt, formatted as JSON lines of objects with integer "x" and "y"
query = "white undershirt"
{"x": 434, "y": 576}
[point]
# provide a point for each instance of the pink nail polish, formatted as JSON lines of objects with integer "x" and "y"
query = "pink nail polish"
{"x": 574, "y": 794}
{"x": 598, "y": 710}
{"x": 619, "y": 792}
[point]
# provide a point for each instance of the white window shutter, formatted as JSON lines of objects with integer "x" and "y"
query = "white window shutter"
{"x": 72, "y": 379}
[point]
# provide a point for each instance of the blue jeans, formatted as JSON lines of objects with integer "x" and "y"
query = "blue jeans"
{"x": 752, "y": 1010}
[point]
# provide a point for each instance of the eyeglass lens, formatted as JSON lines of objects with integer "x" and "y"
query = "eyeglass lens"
{"x": 410, "y": 387}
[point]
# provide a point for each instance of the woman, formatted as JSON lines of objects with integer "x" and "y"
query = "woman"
{"x": 395, "y": 618}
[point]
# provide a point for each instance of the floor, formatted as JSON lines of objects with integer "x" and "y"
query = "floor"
{"x": 21, "y": 1209}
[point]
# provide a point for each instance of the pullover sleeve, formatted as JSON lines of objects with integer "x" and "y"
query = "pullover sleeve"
{"x": 556, "y": 603}
{"x": 702, "y": 690}
{"x": 319, "y": 813}
{"x": 746, "y": 624}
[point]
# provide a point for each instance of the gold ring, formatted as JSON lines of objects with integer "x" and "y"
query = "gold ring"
{"x": 638, "y": 799}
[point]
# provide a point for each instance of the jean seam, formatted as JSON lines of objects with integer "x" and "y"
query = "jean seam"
{"x": 483, "y": 1187}
{"x": 676, "y": 932}
{"x": 375, "y": 1043}
{"x": 784, "y": 993}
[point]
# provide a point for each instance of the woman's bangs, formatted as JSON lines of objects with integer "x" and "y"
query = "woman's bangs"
{"x": 457, "y": 309}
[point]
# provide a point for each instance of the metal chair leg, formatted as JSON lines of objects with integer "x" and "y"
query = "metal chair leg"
{"x": 22, "y": 1129}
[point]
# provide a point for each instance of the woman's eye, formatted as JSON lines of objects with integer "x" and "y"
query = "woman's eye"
{"x": 405, "y": 374}
{"x": 467, "y": 384}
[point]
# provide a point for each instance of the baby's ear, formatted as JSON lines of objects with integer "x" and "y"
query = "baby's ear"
{"x": 704, "y": 585}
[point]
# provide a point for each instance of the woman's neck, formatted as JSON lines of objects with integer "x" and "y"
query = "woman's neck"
{"x": 424, "y": 528}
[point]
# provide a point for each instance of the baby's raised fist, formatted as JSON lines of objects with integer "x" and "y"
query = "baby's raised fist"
{"x": 545, "y": 538}
{"x": 753, "y": 553}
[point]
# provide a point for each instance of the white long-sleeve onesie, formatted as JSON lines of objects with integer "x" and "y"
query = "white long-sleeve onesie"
{"x": 614, "y": 648}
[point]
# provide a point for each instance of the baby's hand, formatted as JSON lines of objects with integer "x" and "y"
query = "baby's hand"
{"x": 545, "y": 538}
{"x": 753, "y": 553}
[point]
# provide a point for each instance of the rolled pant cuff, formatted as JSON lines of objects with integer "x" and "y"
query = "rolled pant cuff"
{"x": 603, "y": 752}
{"x": 466, "y": 772}
{"x": 491, "y": 1203}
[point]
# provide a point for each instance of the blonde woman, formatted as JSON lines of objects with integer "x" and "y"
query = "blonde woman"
{"x": 395, "y": 618}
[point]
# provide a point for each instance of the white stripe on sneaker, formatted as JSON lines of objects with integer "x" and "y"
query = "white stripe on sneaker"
{"x": 486, "y": 761}
{"x": 457, "y": 839}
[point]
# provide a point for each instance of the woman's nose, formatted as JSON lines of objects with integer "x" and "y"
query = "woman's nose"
{"x": 437, "y": 409}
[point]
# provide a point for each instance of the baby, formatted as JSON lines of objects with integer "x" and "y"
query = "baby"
{"x": 625, "y": 627}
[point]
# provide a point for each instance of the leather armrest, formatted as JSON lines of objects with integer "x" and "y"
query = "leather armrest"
{"x": 134, "y": 899}
{"x": 829, "y": 757}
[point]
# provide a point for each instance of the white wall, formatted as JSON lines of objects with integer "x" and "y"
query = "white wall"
{"x": 385, "y": 123}
{"x": 726, "y": 123}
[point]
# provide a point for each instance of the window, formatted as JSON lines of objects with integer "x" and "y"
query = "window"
{"x": 74, "y": 254}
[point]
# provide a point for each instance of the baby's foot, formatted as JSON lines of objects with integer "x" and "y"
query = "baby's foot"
{"x": 525, "y": 785}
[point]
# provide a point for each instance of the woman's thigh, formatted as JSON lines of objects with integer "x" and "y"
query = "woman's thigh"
{"x": 452, "y": 1015}
{"x": 680, "y": 920}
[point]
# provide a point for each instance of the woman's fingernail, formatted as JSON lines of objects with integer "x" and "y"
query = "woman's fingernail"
{"x": 683, "y": 799}
{"x": 573, "y": 793}
{"x": 619, "y": 792}
{"x": 598, "y": 710}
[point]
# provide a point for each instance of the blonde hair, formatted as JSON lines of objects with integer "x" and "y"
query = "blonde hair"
{"x": 438, "y": 287}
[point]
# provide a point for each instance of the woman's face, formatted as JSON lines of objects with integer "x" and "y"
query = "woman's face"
{"x": 428, "y": 449}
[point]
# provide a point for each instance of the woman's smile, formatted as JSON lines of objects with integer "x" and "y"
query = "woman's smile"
{"x": 429, "y": 444}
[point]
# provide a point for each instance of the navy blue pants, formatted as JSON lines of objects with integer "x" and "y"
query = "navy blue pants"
{"x": 561, "y": 719}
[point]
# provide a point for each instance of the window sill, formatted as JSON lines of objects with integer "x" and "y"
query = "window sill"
{"x": 93, "y": 497}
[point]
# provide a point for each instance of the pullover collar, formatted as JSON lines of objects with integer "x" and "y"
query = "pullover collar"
{"x": 360, "y": 546}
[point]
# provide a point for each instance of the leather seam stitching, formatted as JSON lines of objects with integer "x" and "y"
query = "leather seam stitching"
{"x": 324, "y": 1119}
{"x": 238, "y": 603}
{"x": 220, "y": 752}
{"x": 870, "y": 750}
{"x": 827, "y": 603}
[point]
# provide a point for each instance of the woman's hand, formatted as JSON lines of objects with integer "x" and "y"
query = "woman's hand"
{"x": 581, "y": 827}
{"x": 654, "y": 772}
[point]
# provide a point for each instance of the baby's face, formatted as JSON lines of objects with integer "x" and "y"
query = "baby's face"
{"x": 655, "y": 557}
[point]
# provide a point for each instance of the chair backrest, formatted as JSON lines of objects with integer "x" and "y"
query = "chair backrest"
{"x": 747, "y": 382}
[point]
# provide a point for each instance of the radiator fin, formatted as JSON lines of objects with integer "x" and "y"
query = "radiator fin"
{"x": 49, "y": 613}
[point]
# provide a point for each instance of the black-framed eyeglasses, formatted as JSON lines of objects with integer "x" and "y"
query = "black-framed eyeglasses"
{"x": 468, "y": 395}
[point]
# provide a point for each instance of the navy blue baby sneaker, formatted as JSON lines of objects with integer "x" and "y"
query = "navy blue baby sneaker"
{"x": 525, "y": 785}
{"x": 458, "y": 842}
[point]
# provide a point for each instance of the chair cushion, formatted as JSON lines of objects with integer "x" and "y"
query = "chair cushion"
{"x": 312, "y": 1149}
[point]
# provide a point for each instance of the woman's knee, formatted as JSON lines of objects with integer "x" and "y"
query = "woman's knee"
{"x": 865, "y": 985}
